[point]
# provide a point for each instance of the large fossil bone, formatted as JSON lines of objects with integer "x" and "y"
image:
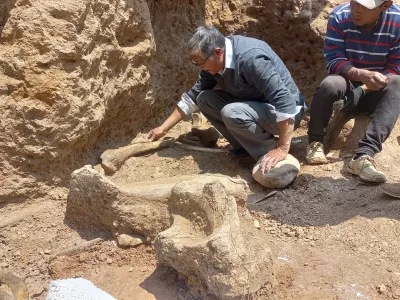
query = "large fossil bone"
{"x": 140, "y": 208}
{"x": 207, "y": 242}
{"x": 112, "y": 160}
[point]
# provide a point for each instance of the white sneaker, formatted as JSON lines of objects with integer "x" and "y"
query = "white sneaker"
{"x": 365, "y": 167}
{"x": 315, "y": 153}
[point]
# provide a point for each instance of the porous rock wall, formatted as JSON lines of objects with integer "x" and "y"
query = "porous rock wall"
{"x": 80, "y": 76}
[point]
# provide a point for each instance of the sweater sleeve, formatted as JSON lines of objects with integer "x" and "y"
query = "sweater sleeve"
{"x": 393, "y": 59}
{"x": 205, "y": 81}
{"x": 259, "y": 71}
{"x": 334, "y": 50}
{"x": 188, "y": 101}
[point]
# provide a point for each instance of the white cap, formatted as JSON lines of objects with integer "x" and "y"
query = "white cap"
{"x": 371, "y": 4}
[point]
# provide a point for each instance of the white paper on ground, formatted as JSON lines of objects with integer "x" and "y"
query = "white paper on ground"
{"x": 76, "y": 289}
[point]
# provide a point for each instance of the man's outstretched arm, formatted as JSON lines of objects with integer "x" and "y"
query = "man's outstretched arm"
{"x": 185, "y": 106}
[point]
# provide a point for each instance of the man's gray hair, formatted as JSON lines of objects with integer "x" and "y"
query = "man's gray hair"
{"x": 205, "y": 40}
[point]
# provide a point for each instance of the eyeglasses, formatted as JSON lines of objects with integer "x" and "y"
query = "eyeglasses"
{"x": 201, "y": 65}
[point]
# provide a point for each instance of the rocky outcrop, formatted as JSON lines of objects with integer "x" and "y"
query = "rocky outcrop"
{"x": 78, "y": 76}
{"x": 66, "y": 69}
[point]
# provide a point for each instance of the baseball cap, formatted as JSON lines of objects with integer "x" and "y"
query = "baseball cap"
{"x": 371, "y": 4}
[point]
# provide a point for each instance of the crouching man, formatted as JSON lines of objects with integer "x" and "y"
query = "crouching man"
{"x": 362, "y": 50}
{"x": 257, "y": 97}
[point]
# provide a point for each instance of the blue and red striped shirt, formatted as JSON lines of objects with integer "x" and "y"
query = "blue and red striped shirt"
{"x": 348, "y": 44}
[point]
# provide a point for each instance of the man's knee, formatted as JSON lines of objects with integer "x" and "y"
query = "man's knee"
{"x": 394, "y": 84}
{"x": 233, "y": 113}
{"x": 393, "y": 87}
{"x": 332, "y": 85}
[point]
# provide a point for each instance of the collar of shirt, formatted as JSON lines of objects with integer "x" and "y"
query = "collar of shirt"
{"x": 229, "y": 64}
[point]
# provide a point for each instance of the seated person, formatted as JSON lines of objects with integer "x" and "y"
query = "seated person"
{"x": 362, "y": 51}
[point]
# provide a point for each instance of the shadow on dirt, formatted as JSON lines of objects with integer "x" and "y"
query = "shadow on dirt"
{"x": 323, "y": 201}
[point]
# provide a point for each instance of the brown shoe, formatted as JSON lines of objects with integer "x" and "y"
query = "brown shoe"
{"x": 392, "y": 189}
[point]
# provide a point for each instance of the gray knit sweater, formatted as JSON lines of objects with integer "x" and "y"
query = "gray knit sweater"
{"x": 257, "y": 74}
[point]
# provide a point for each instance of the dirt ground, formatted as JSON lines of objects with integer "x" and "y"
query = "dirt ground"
{"x": 333, "y": 236}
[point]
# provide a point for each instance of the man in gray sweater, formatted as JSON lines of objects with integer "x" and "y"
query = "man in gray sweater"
{"x": 257, "y": 97}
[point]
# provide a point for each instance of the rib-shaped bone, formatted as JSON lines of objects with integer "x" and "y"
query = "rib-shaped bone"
{"x": 17, "y": 285}
{"x": 112, "y": 159}
{"x": 208, "y": 244}
{"x": 139, "y": 208}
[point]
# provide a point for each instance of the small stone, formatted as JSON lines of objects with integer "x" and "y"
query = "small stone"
{"x": 125, "y": 240}
{"x": 130, "y": 269}
{"x": 291, "y": 233}
{"x": 256, "y": 224}
{"x": 299, "y": 232}
{"x": 3, "y": 90}
{"x": 17, "y": 253}
{"x": 47, "y": 251}
{"x": 382, "y": 289}
{"x": 83, "y": 257}
{"x": 109, "y": 261}
{"x": 78, "y": 274}
{"x": 102, "y": 257}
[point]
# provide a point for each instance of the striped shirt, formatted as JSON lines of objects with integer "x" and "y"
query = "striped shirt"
{"x": 348, "y": 44}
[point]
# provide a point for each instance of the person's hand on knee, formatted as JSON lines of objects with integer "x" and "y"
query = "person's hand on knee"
{"x": 374, "y": 81}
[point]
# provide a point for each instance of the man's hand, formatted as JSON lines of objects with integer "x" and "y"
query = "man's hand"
{"x": 156, "y": 133}
{"x": 272, "y": 158}
{"x": 374, "y": 81}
